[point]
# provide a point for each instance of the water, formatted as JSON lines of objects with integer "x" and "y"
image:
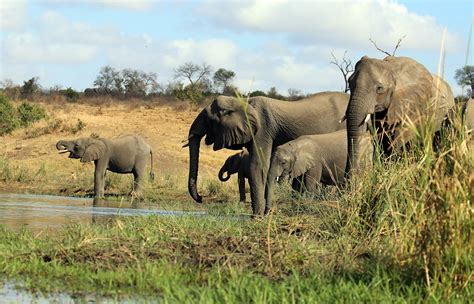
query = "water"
{"x": 47, "y": 212}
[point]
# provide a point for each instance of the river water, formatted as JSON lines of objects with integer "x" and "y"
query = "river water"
{"x": 40, "y": 212}
{"x": 49, "y": 213}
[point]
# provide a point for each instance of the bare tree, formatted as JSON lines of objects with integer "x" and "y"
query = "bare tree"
{"x": 192, "y": 72}
{"x": 345, "y": 66}
{"x": 385, "y": 52}
{"x": 294, "y": 94}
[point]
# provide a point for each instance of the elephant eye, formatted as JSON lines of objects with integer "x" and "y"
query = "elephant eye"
{"x": 380, "y": 89}
{"x": 226, "y": 112}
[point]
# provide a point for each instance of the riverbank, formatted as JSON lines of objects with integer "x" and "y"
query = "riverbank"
{"x": 401, "y": 232}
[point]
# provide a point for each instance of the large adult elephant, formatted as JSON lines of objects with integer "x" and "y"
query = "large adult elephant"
{"x": 260, "y": 125}
{"x": 401, "y": 93}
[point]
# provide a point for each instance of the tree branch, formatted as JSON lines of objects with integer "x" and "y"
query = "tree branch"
{"x": 394, "y": 50}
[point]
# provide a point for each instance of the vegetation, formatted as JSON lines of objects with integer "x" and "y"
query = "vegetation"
{"x": 24, "y": 115}
{"x": 399, "y": 233}
{"x": 465, "y": 77}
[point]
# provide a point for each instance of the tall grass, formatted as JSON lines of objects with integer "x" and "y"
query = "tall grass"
{"x": 417, "y": 208}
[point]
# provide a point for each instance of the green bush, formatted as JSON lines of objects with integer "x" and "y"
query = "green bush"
{"x": 8, "y": 116}
{"x": 71, "y": 95}
{"x": 29, "y": 113}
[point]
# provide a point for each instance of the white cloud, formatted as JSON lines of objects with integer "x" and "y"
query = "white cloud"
{"x": 126, "y": 4}
{"x": 346, "y": 24}
{"x": 13, "y": 14}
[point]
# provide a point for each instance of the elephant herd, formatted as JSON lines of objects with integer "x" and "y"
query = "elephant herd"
{"x": 323, "y": 138}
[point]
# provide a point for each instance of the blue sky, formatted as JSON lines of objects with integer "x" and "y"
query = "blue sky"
{"x": 286, "y": 44}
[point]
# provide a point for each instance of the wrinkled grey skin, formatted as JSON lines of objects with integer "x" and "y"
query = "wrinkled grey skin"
{"x": 229, "y": 123}
{"x": 237, "y": 163}
{"x": 468, "y": 118}
{"x": 315, "y": 159}
{"x": 398, "y": 90}
{"x": 127, "y": 154}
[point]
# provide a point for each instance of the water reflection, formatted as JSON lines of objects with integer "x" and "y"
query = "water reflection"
{"x": 39, "y": 212}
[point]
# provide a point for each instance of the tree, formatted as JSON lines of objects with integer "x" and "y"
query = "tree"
{"x": 30, "y": 87}
{"x": 345, "y": 66}
{"x": 394, "y": 49}
{"x": 465, "y": 76}
{"x": 222, "y": 78}
{"x": 138, "y": 83}
{"x": 294, "y": 94}
{"x": 192, "y": 72}
{"x": 198, "y": 77}
{"x": 109, "y": 79}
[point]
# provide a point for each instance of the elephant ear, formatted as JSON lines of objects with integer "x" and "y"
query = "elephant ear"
{"x": 411, "y": 93}
{"x": 95, "y": 149}
{"x": 234, "y": 122}
{"x": 442, "y": 101}
{"x": 302, "y": 162}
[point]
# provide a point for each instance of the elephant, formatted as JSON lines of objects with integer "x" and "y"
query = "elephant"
{"x": 237, "y": 163}
{"x": 260, "y": 124}
{"x": 313, "y": 159}
{"x": 468, "y": 119}
{"x": 126, "y": 154}
{"x": 400, "y": 93}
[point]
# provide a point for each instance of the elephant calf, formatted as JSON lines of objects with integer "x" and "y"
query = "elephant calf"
{"x": 126, "y": 154}
{"x": 237, "y": 163}
{"x": 314, "y": 159}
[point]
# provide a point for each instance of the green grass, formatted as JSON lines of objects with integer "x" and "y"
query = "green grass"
{"x": 399, "y": 232}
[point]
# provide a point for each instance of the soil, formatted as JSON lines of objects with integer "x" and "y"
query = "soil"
{"x": 163, "y": 127}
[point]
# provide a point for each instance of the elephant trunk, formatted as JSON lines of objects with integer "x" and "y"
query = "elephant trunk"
{"x": 355, "y": 115}
{"x": 222, "y": 171}
{"x": 194, "y": 144}
{"x": 63, "y": 146}
{"x": 196, "y": 132}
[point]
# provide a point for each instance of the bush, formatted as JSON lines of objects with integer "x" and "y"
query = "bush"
{"x": 8, "y": 116}
{"x": 29, "y": 113}
{"x": 71, "y": 95}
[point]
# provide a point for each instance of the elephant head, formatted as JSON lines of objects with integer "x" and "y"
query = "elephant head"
{"x": 231, "y": 166}
{"x": 286, "y": 163}
{"x": 87, "y": 149}
{"x": 400, "y": 91}
{"x": 227, "y": 122}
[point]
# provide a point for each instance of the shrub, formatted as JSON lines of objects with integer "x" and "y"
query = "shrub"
{"x": 8, "y": 116}
{"x": 71, "y": 95}
{"x": 29, "y": 113}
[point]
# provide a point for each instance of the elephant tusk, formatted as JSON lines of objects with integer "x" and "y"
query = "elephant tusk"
{"x": 277, "y": 178}
{"x": 342, "y": 119}
{"x": 367, "y": 118}
{"x": 185, "y": 145}
{"x": 63, "y": 151}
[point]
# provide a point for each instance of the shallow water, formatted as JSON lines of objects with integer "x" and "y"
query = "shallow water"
{"x": 40, "y": 212}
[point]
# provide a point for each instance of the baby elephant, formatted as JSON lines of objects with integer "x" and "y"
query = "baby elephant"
{"x": 314, "y": 159}
{"x": 126, "y": 154}
{"x": 237, "y": 163}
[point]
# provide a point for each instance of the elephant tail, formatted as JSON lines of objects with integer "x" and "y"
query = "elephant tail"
{"x": 152, "y": 174}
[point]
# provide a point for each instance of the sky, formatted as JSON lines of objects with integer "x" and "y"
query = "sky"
{"x": 282, "y": 44}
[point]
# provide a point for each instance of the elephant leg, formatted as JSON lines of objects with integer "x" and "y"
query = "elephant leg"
{"x": 99, "y": 178}
{"x": 139, "y": 172}
{"x": 259, "y": 164}
{"x": 241, "y": 179}
{"x": 312, "y": 178}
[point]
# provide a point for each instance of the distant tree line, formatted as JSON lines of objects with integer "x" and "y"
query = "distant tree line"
{"x": 190, "y": 81}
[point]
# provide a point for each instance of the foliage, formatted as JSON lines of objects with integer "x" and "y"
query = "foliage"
{"x": 222, "y": 79}
{"x": 30, "y": 88}
{"x": 194, "y": 73}
{"x": 465, "y": 77}
{"x": 71, "y": 95}
{"x": 29, "y": 113}
{"x": 257, "y": 93}
{"x": 8, "y": 116}
{"x": 273, "y": 93}
{"x": 294, "y": 94}
{"x": 108, "y": 79}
